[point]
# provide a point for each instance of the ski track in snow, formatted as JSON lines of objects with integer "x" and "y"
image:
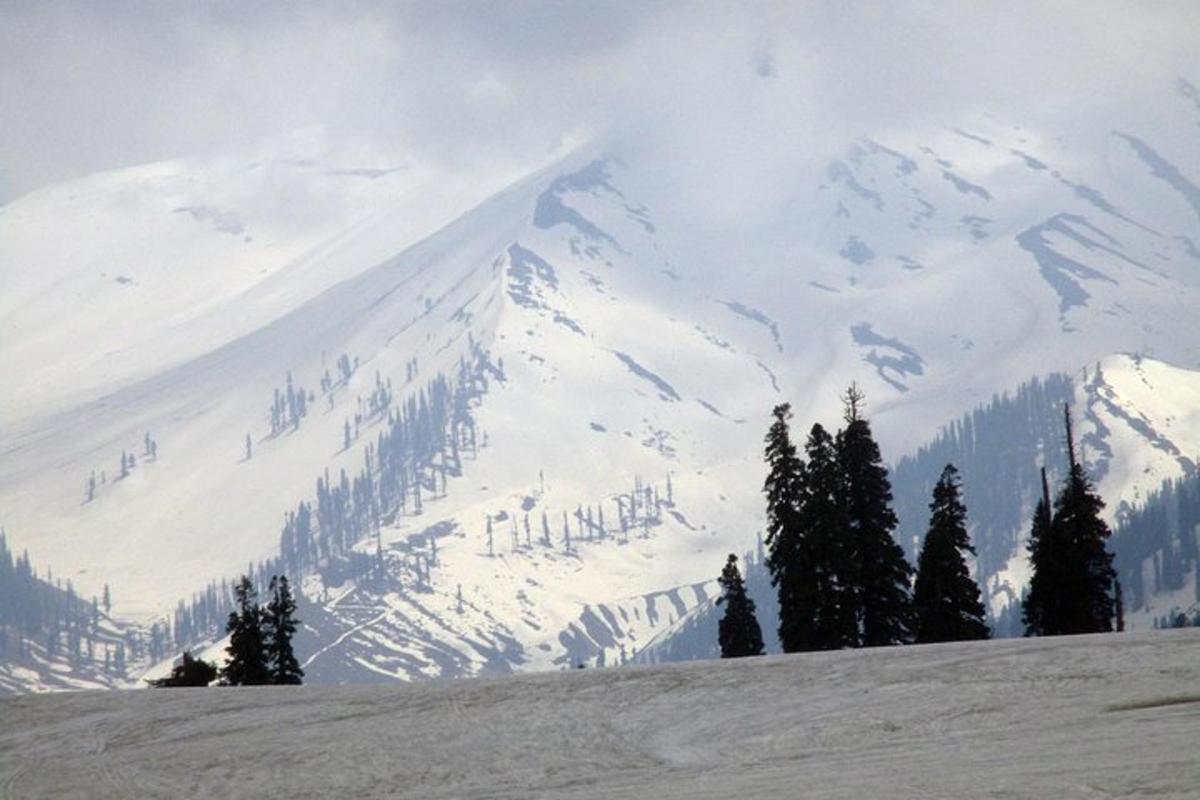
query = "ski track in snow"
{"x": 346, "y": 636}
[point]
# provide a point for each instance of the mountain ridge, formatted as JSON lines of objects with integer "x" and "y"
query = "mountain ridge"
{"x": 617, "y": 363}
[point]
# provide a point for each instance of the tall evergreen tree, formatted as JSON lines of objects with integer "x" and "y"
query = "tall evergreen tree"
{"x": 946, "y": 599}
{"x": 783, "y": 488}
{"x": 279, "y": 626}
{"x": 1090, "y": 604}
{"x": 1040, "y": 604}
{"x": 1076, "y": 589}
{"x": 247, "y": 663}
{"x": 826, "y": 559}
{"x": 881, "y": 572}
{"x": 738, "y": 632}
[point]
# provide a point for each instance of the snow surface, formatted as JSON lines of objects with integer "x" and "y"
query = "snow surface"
{"x": 1085, "y": 717}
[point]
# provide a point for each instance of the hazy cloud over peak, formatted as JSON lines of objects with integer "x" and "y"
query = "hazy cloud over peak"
{"x": 91, "y": 85}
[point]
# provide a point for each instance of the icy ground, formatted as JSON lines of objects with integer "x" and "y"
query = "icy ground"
{"x": 1084, "y": 717}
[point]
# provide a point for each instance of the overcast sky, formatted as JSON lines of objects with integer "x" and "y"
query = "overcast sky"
{"x": 94, "y": 84}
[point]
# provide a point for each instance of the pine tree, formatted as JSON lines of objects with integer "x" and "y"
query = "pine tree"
{"x": 1080, "y": 515}
{"x": 946, "y": 599}
{"x": 1040, "y": 603}
{"x": 738, "y": 632}
{"x": 1089, "y": 597}
{"x": 826, "y": 547}
{"x": 247, "y": 664}
{"x": 1073, "y": 588}
{"x": 783, "y": 488}
{"x": 881, "y": 572}
{"x": 279, "y": 626}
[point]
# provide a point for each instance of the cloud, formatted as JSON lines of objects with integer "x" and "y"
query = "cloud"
{"x": 87, "y": 85}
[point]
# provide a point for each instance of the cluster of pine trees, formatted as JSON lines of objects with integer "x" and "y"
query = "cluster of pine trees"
{"x": 345, "y": 369}
{"x": 42, "y": 615}
{"x": 126, "y": 465}
{"x": 289, "y": 406}
{"x": 260, "y": 643}
{"x": 843, "y": 581}
{"x": 1156, "y": 547}
{"x": 1177, "y": 618}
{"x": 419, "y": 444}
{"x": 996, "y": 447}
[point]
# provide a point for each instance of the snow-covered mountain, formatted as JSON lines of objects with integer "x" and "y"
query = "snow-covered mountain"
{"x": 618, "y": 378}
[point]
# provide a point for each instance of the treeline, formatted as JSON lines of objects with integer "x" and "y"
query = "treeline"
{"x": 421, "y": 443}
{"x": 843, "y": 581}
{"x": 42, "y": 617}
{"x": 1177, "y": 618}
{"x": 1156, "y": 546}
{"x": 997, "y": 448}
{"x": 260, "y": 643}
{"x": 203, "y": 617}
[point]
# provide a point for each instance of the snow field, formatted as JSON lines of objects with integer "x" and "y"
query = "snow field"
{"x": 1082, "y": 717}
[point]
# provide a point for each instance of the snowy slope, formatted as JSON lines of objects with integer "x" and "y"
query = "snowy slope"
{"x": 1141, "y": 424}
{"x": 1138, "y": 424}
{"x": 936, "y": 267}
{"x": 1079, "y": 717}
{"x": 38, "y": 671}
{"x": 122, "y": 274}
